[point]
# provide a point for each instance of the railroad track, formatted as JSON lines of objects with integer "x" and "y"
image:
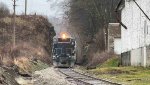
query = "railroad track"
{"x": 82, "y": 79}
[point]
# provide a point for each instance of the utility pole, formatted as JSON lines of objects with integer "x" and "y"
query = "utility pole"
{"x": 14, "y": 24}
{"x": 25, "y": 7}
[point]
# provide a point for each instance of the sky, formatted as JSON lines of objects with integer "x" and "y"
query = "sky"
{"x": 53, "y": 9}
{"x": 50, "y": 8}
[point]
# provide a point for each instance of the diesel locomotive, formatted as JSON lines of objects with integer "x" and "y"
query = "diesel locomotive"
{"x": 64, "y": 54}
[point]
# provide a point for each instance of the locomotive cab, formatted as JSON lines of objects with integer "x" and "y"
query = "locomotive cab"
{"x": 64, "y": 52}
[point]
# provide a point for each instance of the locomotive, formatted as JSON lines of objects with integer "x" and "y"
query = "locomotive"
{"x": 64, "y": 51}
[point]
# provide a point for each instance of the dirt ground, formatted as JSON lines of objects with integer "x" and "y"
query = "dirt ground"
{"x": 47, "y": 76}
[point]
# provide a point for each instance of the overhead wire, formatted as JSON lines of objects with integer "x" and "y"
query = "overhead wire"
{"x": 142, "y": 10}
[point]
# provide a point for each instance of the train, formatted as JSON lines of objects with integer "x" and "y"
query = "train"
{"x": 63, "y": 51}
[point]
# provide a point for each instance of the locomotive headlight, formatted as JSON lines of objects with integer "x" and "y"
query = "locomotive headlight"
{"x": 64, "y": 36}
{"x": 54, "y": 57}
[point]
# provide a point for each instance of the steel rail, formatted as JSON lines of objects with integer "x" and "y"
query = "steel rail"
{"x": 84, "y": 79}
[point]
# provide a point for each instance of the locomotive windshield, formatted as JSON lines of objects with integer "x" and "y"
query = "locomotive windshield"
{"x": 68, "y": 51}
{"x": 58, "y": 51}
{"x": 63, "y": 40}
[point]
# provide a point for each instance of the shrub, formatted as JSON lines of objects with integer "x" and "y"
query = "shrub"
{"x": 100, "y": 58}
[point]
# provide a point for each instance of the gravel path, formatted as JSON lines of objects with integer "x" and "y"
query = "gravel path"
{"x": 49, "y": 77}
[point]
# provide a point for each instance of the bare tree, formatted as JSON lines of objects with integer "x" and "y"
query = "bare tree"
{"x": 4, "y": 11}
{"x": 89, "y": 20}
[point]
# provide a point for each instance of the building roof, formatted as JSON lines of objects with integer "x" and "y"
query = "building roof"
{"x": 120, "y": 5}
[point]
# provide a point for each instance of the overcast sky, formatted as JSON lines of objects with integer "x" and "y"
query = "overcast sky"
{"x": 53, "y": 9}
{"x": 44, "y": 7}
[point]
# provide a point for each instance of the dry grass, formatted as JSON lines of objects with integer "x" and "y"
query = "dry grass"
{"x": 124, "y": 75}
{"x": 99, "y": 58}
{"x": 33, "y": 38}
{"x": 23, "y": 63}
{"x": 6, "y": 20}
{"x": 7, "y": 61}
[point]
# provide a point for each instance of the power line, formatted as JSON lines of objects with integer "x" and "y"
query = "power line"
{"x": 142, "y": 10}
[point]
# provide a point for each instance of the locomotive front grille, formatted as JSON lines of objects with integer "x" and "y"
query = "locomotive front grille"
{"x": 63, "y": 59}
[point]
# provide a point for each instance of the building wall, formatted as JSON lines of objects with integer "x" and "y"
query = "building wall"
{"x": 136, "y": 57}
{"x": 136, "y": 39}
{"x": 126, "y": 58}
{"x": 138, "y": 33}
{"x": 117, "y": 46}
{"x": 148, "y": 55}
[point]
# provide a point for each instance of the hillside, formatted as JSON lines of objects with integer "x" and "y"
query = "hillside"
{"x": 32, "y": 32}
{"x": 34, "y": 36}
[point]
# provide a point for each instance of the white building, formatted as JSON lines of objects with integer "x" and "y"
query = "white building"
{"x": 114, "y": 38}
{"x": 136, "y": 38}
